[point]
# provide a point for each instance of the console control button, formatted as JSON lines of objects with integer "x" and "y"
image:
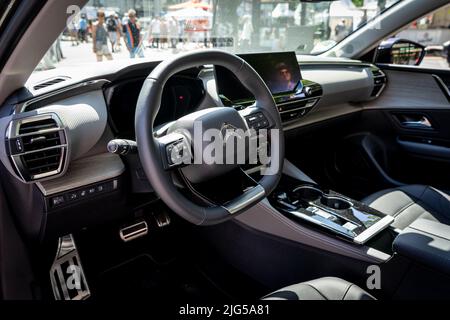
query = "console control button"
{"x": 81, "y": 194}
{"x": 72, "y": 196}
{"x": 57, "y": 201}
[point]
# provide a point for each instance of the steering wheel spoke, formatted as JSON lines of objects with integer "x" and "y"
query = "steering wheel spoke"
{"x": 250, "y": 197}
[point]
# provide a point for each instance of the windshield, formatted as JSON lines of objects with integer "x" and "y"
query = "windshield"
{"x": 119, "y": 29}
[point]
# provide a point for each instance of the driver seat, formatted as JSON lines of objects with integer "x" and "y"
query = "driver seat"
{"x": 321, "y": 289}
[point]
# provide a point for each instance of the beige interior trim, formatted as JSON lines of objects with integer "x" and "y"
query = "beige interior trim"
{"x": 84, "y": 172}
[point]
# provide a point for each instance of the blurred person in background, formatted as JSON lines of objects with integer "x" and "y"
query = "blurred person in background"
{"x": 174, "y": 33}
{"x": 164, "y": 34}
{"x": 113, "y": 31}
{"x": 82, "y": 28}
{"x": 74, "y": 33}
{"x": 340, "y": 31}
{"x": 132, "y": 36}
{"x": 100, "y": 38}
{"x": 447, "y": 51}
{"x": 155, "y": 32}
{"x": 119, "y": 32}
{"x": 247, "y": 31}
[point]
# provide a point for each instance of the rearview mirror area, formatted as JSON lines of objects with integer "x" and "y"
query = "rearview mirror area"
{"x": 400, "y": 51}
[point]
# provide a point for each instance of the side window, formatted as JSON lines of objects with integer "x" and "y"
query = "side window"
{"x": 425, "y": 42}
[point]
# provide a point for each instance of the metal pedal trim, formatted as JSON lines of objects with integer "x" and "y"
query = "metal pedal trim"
{"x": 134, "y": 231}
{"x": 67, "y": 254}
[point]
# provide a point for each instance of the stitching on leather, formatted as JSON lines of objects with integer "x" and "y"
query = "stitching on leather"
{"x": 314, "y": 288}
{"x": 419, "y": 199}
{"x": 402, "y": 209}
{"x": 346, "y": 291}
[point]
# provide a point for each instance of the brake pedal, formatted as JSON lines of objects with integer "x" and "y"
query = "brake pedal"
{"x": 66, "y": 274}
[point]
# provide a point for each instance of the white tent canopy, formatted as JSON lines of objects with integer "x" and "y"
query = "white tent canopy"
{"x": 190, "y": 14}
{"x": 282, "y": 10}
{"x": 344, "y": 9}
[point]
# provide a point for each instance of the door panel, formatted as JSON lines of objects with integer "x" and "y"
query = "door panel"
{"x": 403, "y": 137}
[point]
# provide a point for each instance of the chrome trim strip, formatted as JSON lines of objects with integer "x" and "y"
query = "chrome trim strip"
{"x": 383, "y": 75}
{"x": 61, "y": 146}
{"x": 250, "y": 196}
{"x": 38, "y": 132}
{"x": 299, "y": 100}
{"x": 308, "y": 187}
{"x": 373, "y": 230}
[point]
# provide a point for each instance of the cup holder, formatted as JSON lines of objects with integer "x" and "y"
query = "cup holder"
{"x": 308, "y": 194}
{"x": 335, "y": 203}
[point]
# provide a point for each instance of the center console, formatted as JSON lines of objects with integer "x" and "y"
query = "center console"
{"x": 330, "y": 211}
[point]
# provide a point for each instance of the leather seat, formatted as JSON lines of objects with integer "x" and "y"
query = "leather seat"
{"x": 321, "y": 289}
{"x": 409, "y": 203}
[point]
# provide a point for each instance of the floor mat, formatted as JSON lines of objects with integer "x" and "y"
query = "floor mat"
{"x": 142, "y": 278}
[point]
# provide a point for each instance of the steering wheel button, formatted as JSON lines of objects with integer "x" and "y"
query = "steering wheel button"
{"x": 252, "y": 119}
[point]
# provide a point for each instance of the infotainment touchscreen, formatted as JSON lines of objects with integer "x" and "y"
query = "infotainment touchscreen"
{"x": 279, "y": 70}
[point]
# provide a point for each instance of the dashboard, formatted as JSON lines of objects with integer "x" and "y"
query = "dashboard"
{"x": 55, "y": 133}
{"x": 181, "y": 96}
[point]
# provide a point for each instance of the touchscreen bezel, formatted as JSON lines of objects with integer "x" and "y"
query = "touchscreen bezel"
{"x": 241, "y": 95}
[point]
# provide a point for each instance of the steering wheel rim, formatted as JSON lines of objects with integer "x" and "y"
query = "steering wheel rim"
{"x": 150, "y": 151}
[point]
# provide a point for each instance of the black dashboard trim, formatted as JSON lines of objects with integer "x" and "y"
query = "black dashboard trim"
{"x": 60, "y": 94}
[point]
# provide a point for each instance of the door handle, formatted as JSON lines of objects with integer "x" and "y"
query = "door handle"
{"x": 422, "y": 123}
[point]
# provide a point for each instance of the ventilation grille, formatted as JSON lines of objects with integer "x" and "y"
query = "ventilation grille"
{"x": 379, "y": 79}
{"x": 377, "y": 73}
{"x": 42, "y": 162}
{"x": 38, "y": 149}
{"x": 34, "y": 126}
{"x": 49, "y": 83}
{"x": 39, "y": 141}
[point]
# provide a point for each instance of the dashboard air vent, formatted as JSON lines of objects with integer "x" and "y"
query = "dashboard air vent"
{"x": 37, "y": 147}
{"x": 37, "y": 126}
{"x": 49, "y": 83}
{"x": 380, "y": 80}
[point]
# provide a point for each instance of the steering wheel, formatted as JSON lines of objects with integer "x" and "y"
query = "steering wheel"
{"x": 155, "y": 152}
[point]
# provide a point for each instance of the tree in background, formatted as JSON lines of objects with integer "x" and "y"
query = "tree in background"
{"x": 381, "y": 4}
{"x": 358, "y": 3}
